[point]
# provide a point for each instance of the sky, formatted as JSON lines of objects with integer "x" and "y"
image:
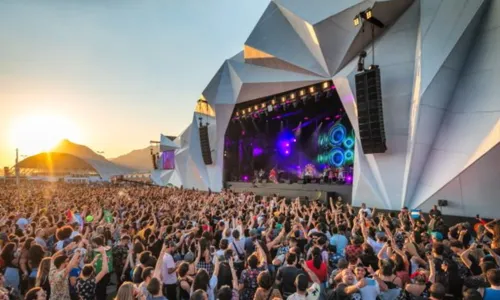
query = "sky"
{"x": 110, "y": 74}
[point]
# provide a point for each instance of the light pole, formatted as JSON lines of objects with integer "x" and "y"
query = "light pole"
{"x": 17, "y": 166}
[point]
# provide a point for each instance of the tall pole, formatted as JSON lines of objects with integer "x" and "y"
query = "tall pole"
{"x": 17, "y": 167}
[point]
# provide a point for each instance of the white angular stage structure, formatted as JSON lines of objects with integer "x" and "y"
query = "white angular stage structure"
{"x": 439, "y": 62}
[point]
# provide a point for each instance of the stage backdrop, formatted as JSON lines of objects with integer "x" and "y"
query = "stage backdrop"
{"x": 168, "y": 160}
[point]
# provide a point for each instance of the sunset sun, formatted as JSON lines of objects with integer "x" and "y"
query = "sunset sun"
{"x": 37, "y": 133}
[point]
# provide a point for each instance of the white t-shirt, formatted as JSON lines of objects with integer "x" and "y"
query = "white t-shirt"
{"x": 168, "y": 263}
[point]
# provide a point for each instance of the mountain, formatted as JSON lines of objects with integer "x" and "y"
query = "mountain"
{"x": 139, "y": 160}
{"x": 66, "y": 146}
{"x": 105, "y": 167}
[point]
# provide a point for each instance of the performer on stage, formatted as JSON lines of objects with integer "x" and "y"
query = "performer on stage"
{"x": 261, "y": 174}
{"x": 341, "y": 174}
{"x": 273, "y": 175}
{"x": 309, "y": 172}
{"x": 331, "y": 175}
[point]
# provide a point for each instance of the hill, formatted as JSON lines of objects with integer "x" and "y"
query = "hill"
{"x": 139, "y": 160}
{"x": 66, "y": 146}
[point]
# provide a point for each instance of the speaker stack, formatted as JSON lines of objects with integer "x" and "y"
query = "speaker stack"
{"x": 370, "y": 111}
{"x": 205, "y": 145}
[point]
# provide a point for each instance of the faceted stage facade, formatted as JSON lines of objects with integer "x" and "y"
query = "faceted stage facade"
{"x": 440, "y": 86}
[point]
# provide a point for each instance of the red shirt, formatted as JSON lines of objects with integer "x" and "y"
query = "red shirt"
{"x": 322, "y": 272}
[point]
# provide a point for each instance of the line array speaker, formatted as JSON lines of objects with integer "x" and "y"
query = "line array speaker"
{"x": 205, "y": 145}
{"x": 370, "y": 111}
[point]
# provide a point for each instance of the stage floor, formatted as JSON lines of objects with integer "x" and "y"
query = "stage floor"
{"x": 311, "y": 190}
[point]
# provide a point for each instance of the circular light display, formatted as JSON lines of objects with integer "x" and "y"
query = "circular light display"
{"x": 349, "y": 155}
{"x": 337, "y": 157}
{"x": 348, "y": 142}
{"x": 337, "y": 134}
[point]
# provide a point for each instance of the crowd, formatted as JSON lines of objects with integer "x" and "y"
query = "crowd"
{"x": 62, "y": 241}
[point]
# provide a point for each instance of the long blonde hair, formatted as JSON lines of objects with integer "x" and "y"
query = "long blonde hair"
{"x": 126, "y": 291}
{"x": 43, "y": 271}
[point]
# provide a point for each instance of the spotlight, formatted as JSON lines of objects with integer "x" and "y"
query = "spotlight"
{"x": 273, "y": 102}
{"x": 356, "y": 20}
{"x": 283, "y": 99}
{"x": 243, "y": 112}
{"x": 292, "y": 96}
{"x": 368, "y": 16}
{"x": 368, "y": 13}
{"x": 256, "y": 107}
{"x": 302, "y": 93}
{"x": 312, "y": 90}
{"x": 326, "y": 85}
{"x": 249, "y": 110}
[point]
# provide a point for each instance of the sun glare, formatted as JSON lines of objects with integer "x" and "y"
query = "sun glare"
{"x": 38, "y": 133}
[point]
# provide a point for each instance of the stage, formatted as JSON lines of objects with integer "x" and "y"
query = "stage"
{"x": 311, "y": 190}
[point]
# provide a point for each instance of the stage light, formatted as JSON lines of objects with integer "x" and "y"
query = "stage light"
{"x": 368, "y": 16}
{"x": 287, "y": 152}
{"x": 368, "y": 13}
{"x": 243, "y": 112}
{"x": 356, "y": 20}
{"x": 287, "y": 144}
{"x": 294, "y": 140}
{"x": 273, "y": 102}
{"x": 283, "y": 99}
{"x": 302, "y": 93}
{"x": 256, "y": 107}
{"x": 263, "y": 105}
{"x": 249, "y": 110}
{"x": 312, "y": 89}
{"x": 292, "y": 96}
{"x": 326, "y": 85}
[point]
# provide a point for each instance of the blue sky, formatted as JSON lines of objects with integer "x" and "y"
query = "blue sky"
{"x": 121, "y": 71}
